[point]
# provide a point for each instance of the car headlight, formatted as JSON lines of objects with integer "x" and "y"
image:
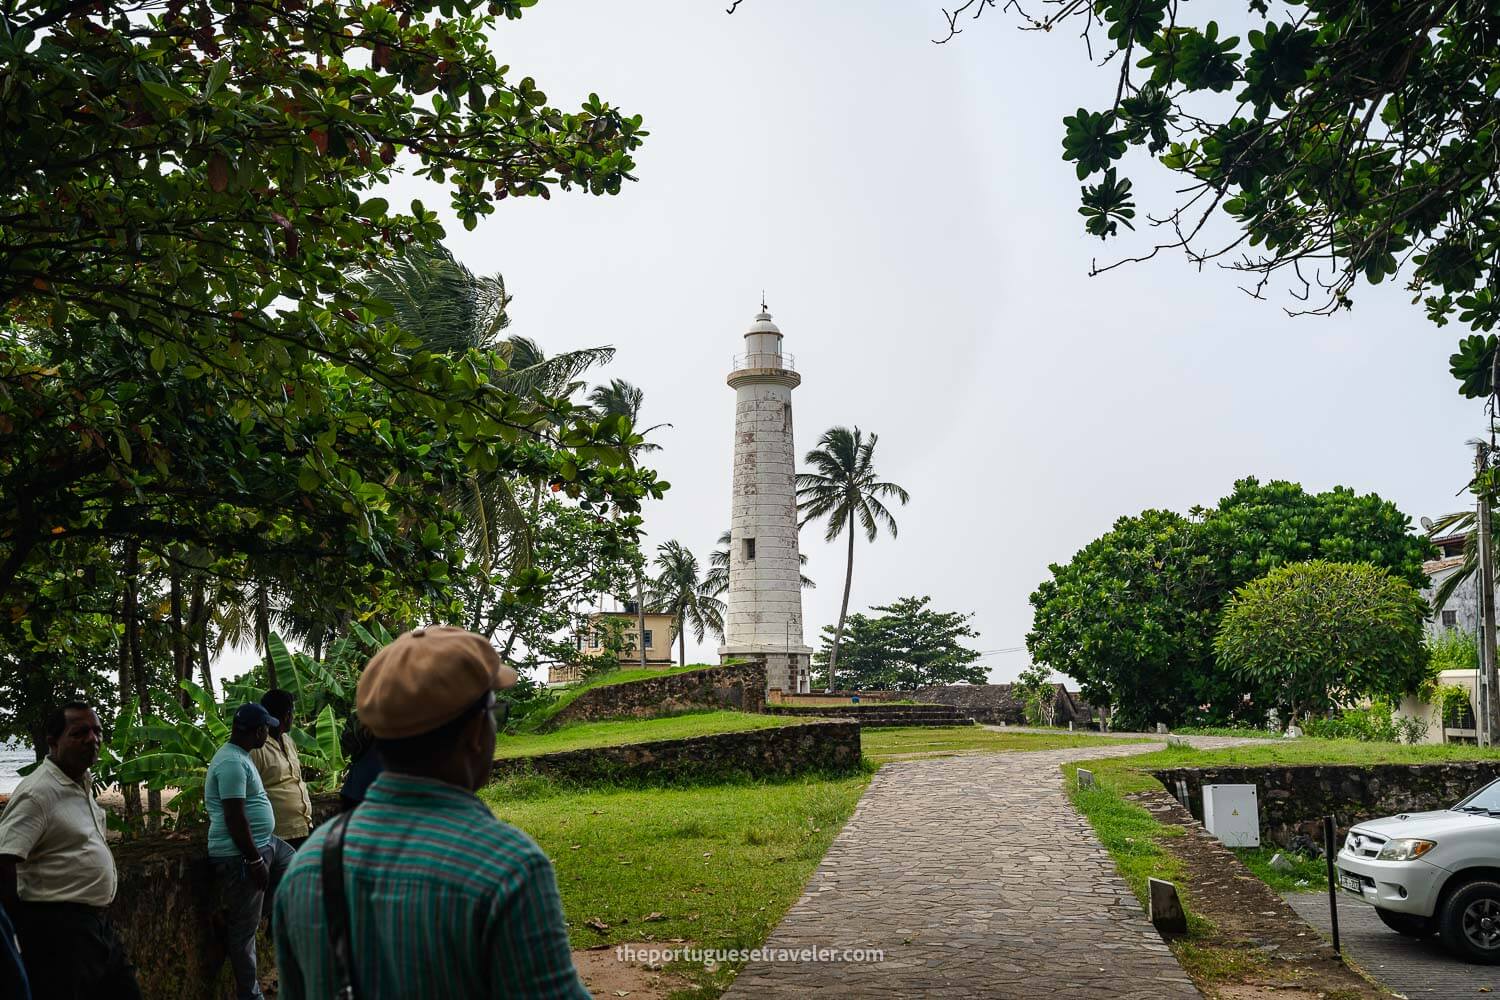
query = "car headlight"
{"x": 1405, "y": 849}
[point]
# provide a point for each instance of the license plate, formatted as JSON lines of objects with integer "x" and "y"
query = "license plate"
{"x": 1352, "y": 882}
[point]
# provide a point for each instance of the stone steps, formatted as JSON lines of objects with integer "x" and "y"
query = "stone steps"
{"x": 877, "y": 714}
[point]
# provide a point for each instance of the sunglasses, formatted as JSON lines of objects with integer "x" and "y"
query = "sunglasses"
{"x": 499, "y": 709}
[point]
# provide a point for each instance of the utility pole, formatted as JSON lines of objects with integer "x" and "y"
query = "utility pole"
{"x": 640, "y": 617}
{"x": 1486, "y": 692}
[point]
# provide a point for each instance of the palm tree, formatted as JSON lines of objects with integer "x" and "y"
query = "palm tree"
{"x": 717, "y": 580}
{"x": 621, "y": 399}
{"x": 678, "y": 591}
{"x": 844, "y": 489}
{"x": 451, "y": 310}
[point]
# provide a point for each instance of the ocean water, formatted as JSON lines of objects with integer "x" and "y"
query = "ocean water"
{"x": 12, "y": 757}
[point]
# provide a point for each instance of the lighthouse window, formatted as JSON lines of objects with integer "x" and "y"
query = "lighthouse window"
{"x": 749, "y": 549}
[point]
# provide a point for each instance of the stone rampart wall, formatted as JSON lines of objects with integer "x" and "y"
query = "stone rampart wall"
{"x": 1294, "y": 800}
{"x": 165, "y": 911}
{"x": 997, "y": 703}
{"x": 802, "y": 748}
{"x": 740, "y": 686}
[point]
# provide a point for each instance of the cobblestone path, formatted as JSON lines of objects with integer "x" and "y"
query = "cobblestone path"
{"x": 976, "y": 878}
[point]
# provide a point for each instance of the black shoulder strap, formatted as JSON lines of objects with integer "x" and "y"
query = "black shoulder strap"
{"x": 336, "y": 909}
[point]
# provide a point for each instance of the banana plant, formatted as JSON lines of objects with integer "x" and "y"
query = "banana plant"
{"x": 322, "y": 751}
{"x": 172, "y": 750}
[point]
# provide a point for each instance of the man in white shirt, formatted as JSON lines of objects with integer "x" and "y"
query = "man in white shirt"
{"x": 57, "y": 876}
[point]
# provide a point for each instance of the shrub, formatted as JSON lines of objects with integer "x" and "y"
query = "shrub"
{"x": 1377, "y": 724}
{"x": 1453, "y": 649}
{"x": 1320, "y": 634}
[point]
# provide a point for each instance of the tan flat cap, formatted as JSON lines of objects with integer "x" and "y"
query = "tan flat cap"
{"x": 427, "y": 677}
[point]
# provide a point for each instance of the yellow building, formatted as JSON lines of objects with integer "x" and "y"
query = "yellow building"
{"x": 593, "y": 642}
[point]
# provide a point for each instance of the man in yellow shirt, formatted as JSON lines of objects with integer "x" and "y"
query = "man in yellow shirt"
{"x": 281, "y": 772}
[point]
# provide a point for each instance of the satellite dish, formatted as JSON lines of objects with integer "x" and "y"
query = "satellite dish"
{"x": 1427, "y": 523}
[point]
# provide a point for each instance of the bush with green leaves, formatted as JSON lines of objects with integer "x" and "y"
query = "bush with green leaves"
{"x": 1132, "y": 615}
{"x": 1455, "y": 706}
{"x": 1453, "y": 649}
{"x": 1317, "y": 635}
{"x": 1379, "y": 723}
{"x": 1038, "y": 695}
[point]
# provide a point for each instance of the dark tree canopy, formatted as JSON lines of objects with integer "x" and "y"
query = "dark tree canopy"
{"x": 215, "y": 406}
{"x": 903, "y": 646}
{"x": 1132, "y": 616}
{"x": 185, "y": 212}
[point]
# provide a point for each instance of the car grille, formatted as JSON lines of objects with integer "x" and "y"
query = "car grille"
{"x": 1364, "y": 845}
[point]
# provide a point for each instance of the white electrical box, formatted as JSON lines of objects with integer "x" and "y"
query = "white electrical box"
{"x": 1232, "y": 813}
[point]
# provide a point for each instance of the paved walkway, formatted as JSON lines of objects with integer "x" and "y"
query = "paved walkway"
{"x": 1413, "y": 967}
{"x": 976, "y": 878}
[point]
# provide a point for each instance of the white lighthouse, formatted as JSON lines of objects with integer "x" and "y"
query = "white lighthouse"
{"x": 764, "y": 618}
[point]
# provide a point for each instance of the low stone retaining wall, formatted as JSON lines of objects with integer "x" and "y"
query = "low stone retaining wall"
{"x": 800, "y": 748}
{"x": 839, "y": 697}
{"x": 740, "y": 686}
{"x": 997, "y": 703}
{"x": 876, "y": 714}
{"x": 165, "y": 911}
{"x": 1294, "y": 799}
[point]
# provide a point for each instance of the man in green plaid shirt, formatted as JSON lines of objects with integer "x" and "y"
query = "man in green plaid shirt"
{"x": 444, "y": 899}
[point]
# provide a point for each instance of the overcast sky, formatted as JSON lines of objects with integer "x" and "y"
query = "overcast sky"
{"x": 905, "y": 207}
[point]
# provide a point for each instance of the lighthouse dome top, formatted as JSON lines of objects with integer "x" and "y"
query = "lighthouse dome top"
{"x": 763, "y": 323}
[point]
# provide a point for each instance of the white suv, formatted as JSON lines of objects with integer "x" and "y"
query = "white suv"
{"x": 1433, "y": 872}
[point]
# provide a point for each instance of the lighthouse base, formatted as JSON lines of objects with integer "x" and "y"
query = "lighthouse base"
{"x": 786, "y": 669}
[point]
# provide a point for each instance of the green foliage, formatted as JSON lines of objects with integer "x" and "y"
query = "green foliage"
{"x": 216, "y": 393}
{"x": 903, "y": 646}
{"x": 1321, "y": 634}
{"x": 187, "y": 168}
{"x": 1132, "y": 615}
{"x": 1126, "y": 829}
{"x": 1378, "y": 723}
{"x": 1038, "y": 694}
{"x": 172, "y": 746}
{"x": 1356, "y": 144}
{"x": 1455, "y": 707}
{"x": 1453, "y": 649}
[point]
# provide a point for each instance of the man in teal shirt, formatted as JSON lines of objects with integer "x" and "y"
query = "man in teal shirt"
{"x": 444, "y": 900}
{"x": 248, "y": 860}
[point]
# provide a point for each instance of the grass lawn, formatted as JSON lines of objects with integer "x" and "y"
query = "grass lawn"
{"x": 894, "y": 743}
{"x": 566, "y": 696}
{"x": 581, "y": 735}
{"x": 1134, "y": 838}
{"x": 716, "y": 865}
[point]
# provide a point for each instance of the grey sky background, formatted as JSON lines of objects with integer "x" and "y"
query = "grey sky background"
{"x": 906, "y": 209}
